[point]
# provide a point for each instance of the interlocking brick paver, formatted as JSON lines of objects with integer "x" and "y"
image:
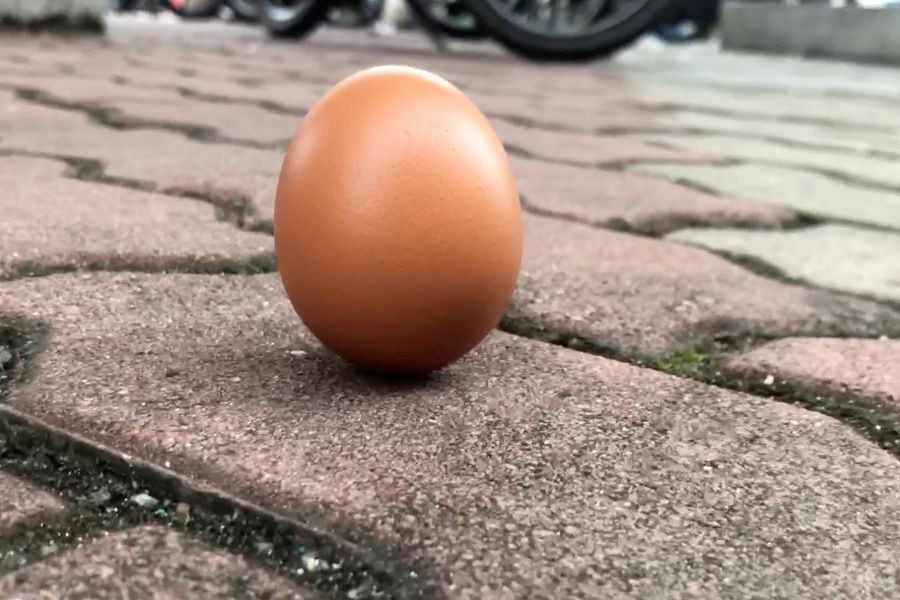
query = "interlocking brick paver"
{"x": 524, "y": 470}
{"x": 52, "y": 222}
{"x": 842, "y": 257}
{"x": 851, "y": 112}
{"x": 809, "y": 193}
{"x": 161, "y": 159}
{"x": 866, "y": 169}
{"x": 21, "y": 503}
{"x": 622, "y": 199}
{"x": 71, "y": 89}
{"x": 868, "y": 369}
{"x": 147, "y": 562}
{"x": 862, "y": 142}
{"x": 586, "y": 149}
{"x": 646, "y": 296}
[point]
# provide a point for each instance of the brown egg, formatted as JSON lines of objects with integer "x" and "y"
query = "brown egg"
{"x": 398, "y": 229}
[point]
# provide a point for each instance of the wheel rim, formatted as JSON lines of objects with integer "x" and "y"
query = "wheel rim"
{"x": 568, "y": 18}
{"x": 285, "y": 10}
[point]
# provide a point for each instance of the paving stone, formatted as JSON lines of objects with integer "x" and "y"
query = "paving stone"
{"x": 71, "y": 89}
{"x": 867, "y": 369}
{"x": 147, "y": 562}
{"x": 880, "y": 171}
{"x": 524, "y": 470}
{"x": 51, "y": 222}
{"x": 615, "y": 199}
{"x": 841, "y": 257}
{"x": 585, "y": 149}
{"x": 235, "y": 121}
{"x": 850, "y": 112}
{"x": 642, "y": 296}
{"x": 855, "y": 140}
{"x": 21, "y": 503}
{"x": 134, "y": 105}
{"x": 160, "y": 159}
{"x": 805, "y": 192}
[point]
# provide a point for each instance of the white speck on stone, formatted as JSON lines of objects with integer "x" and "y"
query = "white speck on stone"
{"x": 298, "y": 353}
{"x": 235, "y": 380}
{"x": 769, "y": 380}
{"x": 167, "y": 465}
{"x": 145, "y": 500}
{"x": 311, "y": 563}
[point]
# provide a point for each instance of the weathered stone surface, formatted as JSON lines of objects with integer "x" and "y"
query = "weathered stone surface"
{"x": 868, "y": 369}
{"x": 867, "y": 169}
{"x": 805, "y": 192}
{"x": 861, "y": 141}
{"x": 163, "y": 160}
{"x": 147, "y": 562}
{"x": 524, "y": 470}
{"x": 21, "y": 503}
{"x": 774, "y": 103}
{"x": 841, "y": 257}
{"x": 74, "y": 90}
{"x": 615, "y": 199}
{"x": 52, "y": 222}
{"x": 585, "y": 149}
{"x": 647, "y": 297}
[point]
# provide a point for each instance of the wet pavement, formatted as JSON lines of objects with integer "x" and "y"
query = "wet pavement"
{"x": 693, "y": 394}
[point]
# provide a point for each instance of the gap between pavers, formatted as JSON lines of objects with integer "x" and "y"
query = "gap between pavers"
{"x": 840, "y": 257}
{"x": 638, "y": 298}
{"x": 868, "y": 370}
{"x": 809, "y": 193}
{"x": 525, "y": 468}
{"x": 51, "y": 222}
{"x": 148, "y": 561}
{"x": 627, "y": 201}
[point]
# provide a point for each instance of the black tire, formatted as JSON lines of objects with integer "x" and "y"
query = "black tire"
{"x": 292, "y": 18}
{"x": 459, "y": 23}
{"x": 245, "y": 10}
{"x": 600, "y": 39}
{"x": 194, "y": 9}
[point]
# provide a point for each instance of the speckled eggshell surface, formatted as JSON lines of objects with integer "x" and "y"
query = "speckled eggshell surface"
{"x": 398, "y": 229}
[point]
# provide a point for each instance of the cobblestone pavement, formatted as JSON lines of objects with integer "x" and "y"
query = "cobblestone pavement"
{"x": 695, "y": 392}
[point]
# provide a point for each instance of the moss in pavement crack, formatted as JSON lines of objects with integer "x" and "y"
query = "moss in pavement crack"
{"x": 709, "y": 364}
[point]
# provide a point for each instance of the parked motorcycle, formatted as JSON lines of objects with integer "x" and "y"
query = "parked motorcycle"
{"x": 536, "y": 29}
{"x": 297, "y": 18}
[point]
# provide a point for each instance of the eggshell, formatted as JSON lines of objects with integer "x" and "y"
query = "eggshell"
{"x": 398, "y": 229}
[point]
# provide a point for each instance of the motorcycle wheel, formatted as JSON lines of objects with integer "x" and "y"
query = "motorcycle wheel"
{"x": 566, "y": 29}
{"x": 245, "y": 10}
{"x": 292, "y": 18}
{"x": 452, "y": 18}
{"x": 193, "y": 9}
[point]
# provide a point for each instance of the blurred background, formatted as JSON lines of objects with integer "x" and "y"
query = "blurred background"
{"x": 533, "y": 29}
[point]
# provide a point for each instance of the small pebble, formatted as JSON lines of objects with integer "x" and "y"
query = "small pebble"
{"x": 145, "y": 500}
{"x": 769, "y": 380}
